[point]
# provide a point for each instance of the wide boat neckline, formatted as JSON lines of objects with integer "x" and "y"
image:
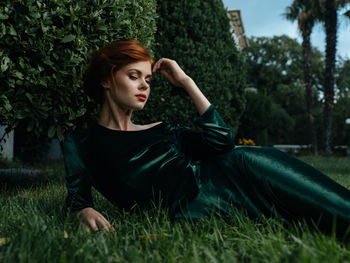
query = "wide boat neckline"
{"x": 121, "y": 131}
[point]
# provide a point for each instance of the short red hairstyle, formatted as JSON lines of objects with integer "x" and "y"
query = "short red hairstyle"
{"x": 108, "y": 60}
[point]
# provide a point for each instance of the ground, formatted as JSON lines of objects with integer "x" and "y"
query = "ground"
{"x": 34, "y": 229}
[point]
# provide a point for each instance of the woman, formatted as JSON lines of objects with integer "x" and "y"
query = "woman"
{"x": 191, "y": 173}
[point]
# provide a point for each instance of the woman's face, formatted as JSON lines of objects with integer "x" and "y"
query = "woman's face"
{"x": 132, "y": 87}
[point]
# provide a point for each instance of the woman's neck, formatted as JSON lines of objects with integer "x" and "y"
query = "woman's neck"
{"x": 114, "y": 117}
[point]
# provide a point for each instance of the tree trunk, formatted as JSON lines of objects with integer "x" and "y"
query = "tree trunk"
{"x": 331, "y": 43}
{"x": 306, "y": 32}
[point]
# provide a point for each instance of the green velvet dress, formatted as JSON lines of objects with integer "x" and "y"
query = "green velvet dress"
{"x": 194, "y": 174}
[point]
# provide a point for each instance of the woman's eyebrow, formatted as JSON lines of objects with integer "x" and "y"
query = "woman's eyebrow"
{"x": 140, "y": 73}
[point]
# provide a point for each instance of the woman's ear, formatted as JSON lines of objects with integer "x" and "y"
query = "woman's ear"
{"x": 106, "y": 84}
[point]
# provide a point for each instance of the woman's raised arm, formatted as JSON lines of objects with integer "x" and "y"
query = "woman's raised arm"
{"x": 179, "y": 79}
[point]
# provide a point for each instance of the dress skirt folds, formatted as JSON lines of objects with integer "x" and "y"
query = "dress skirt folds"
{"x": 264, "y": 180}
{"x": 198, "y": 173}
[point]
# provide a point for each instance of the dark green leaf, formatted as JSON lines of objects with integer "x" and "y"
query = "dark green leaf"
{"x": 36, "y": 15}
{"x": 18, "y": 75}
{"x": 81, "y": 112}
{"x": 4, "y": 63}
{"x": 102, "y": 28}
{"x": 51, "y": 132}
{"x": 21, "y": 63}
{"x": 30, "y": 97}
{"x": 3, "y": 16}
{"x": 68, "y": 38}
{"x": 20, "y": 115}
{"x": 3, "y": 29}
{"x": 43, "y": 83}
{"x": 60, "y": 133}
{"x": 8, "y": 106}
{"x": 12, "y": 31}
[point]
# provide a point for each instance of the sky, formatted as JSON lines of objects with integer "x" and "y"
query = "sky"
{"x": 264, "y": 18}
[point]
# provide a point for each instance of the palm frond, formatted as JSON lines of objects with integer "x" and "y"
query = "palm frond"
{"x": 347, "y": 13}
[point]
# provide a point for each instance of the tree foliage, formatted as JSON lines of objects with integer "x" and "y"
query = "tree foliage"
{"x": 275, "y": 68}
{"x": 278, "y": 60}
{"x": 265, "y": 121}
{"x": 197, "y": 35}
{"x": 343, "y": 78}
{"x": 341, "y": 131}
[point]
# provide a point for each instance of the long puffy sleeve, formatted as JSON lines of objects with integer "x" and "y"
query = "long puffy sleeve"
{"x": 78, "y": 180}
{"x": 215, "y": 137}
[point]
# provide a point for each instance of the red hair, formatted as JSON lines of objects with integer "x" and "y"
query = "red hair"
{"x": 108, "y": 60}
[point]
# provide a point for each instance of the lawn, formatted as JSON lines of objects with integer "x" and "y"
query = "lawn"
{"x": 34, "y": 229}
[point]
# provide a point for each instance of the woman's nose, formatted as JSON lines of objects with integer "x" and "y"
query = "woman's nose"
{"x": 143, "y": 85}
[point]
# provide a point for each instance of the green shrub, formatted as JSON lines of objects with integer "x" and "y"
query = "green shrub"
{"x": 44, "y": 47}
{"x": 341, "y": 130}
{"x": 264, "y": 121}
{"x": 197, "y": 35}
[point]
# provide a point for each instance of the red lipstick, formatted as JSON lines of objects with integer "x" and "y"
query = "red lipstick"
{"x": 141, "y": 97}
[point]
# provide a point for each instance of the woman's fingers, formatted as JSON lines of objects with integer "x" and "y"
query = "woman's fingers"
{"x": 93, "y": 220}
{"x": 92, "y": 224}
{"x": 176, "y": 75}
{"x": 163, "y": 62}
{"x": 97, "y": 224}
{"x": 104, "y": 224}
{"x": 155, "y": 67}
{"x": 101, "y": 224}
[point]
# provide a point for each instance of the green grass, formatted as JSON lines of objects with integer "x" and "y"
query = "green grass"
{"x": 32, "y": 229}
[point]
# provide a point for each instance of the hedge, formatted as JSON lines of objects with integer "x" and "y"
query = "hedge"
{"x": 44, "y": 50}
{"x": 197, "y": 35}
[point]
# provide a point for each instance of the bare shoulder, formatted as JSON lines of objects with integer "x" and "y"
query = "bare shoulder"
{"x": 147, "y": 126}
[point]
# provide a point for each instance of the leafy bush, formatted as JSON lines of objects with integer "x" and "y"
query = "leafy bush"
{"x": 44, "y": 47}
{"x": 341, "y": 130}
{"x": 264, "y": 121}
{"x": 197, "y": 35}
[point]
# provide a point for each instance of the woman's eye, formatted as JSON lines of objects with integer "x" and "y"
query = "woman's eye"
{"x": 133, "y": 77}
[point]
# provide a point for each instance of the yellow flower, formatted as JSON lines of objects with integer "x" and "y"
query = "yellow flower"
{"x": 162, "y": 99}
{"x": 4, "y": 240}
{"x": 245, "y": 141}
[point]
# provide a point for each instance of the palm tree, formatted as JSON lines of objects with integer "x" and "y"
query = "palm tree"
{"x": 330, "y": 18}
{"x": 304, "y": 12}
{"x": 347, "y": 13}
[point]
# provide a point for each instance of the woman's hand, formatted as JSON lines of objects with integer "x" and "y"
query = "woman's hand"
{"x": 179, "y": 79}
{"x": 93, "y": 220}
{"x": 176, "y": 75}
